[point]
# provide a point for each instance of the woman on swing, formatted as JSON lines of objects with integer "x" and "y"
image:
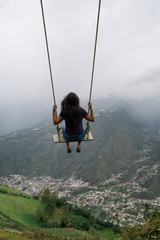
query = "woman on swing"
{"x": 73, "y": 115}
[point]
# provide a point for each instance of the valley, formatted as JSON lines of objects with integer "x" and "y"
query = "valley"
{"x": 116, "y": 176}
{"x": 114, "y": 200}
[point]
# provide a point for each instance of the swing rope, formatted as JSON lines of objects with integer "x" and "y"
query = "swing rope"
{"x": 93, "y": 65}
{"x": 94, "y": 57}
{"x": 49, "y": 62}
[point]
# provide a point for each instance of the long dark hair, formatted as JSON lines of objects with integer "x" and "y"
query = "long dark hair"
{"x": 70, "y": 109}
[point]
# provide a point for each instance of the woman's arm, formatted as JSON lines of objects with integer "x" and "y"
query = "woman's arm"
{"x": 90, "y": 117}
{"x": 56, "y": 120}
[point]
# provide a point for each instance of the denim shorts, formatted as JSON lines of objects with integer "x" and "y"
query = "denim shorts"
{"x": 74, "y": 138}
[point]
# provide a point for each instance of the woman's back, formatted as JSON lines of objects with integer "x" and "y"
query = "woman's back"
{"x": 73, "y": 121}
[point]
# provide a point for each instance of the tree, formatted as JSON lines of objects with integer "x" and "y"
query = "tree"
{"x": 41, "y": 217}
{"x": 49, "y": 201}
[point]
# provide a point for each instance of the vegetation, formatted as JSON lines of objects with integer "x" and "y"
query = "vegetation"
{"x": 59, "y": 220}
{"x": 58, "y": 212}
{"x": 150, "y": 230}
{"x": 49, "y": 218}
{"x": 10, "y": 191}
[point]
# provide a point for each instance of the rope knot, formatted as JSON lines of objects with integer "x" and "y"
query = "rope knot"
{"x": 59, "y": 131}
{"x": 88, "y": 127}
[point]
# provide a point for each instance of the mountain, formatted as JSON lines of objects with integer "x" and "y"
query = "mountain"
{"x": 120, "y": 140}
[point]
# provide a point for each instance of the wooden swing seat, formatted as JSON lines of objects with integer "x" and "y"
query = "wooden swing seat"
{"x": 62, "y": 140}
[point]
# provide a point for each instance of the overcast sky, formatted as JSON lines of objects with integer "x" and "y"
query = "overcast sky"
{"x": 127, "y": 60}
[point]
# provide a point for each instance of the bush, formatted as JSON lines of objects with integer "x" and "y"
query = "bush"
{"x": 36, "y": 197}
{"x": 82, "y": 212}
{"x": 3, "y": 191}
{"x": 64, "y": 222}
{"x": 42, "y": 218}
{"x": 150, "y": 230}
{"x": 85, "y": 226}
{"x": 61, "y": 202}
{"x": 98, "y": 227}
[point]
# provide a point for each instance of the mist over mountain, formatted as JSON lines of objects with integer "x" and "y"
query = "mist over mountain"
{"x": 142, "y": 110}
{"x": 31, "y": 113}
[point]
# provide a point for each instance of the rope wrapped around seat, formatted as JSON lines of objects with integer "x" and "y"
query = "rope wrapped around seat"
{"x": 87, "y": 130}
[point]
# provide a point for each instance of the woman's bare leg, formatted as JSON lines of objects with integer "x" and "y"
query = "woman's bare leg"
{"x": 79, "y": 147}
{"x": 68, "y": 147}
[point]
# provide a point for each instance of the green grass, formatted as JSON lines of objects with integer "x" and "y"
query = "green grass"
{"x": 80, "y": 220}
{"x": 21, "y": 210}
{"x": 11, "y": 191}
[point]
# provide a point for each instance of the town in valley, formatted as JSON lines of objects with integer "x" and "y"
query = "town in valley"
{"x": 111, "y": 200}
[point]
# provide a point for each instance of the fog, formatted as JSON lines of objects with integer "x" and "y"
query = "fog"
{"x": 127, "y": 60}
